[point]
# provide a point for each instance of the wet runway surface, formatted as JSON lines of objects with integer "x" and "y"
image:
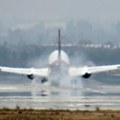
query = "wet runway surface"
{"x": 71, "y": 103}
{"x": 63, "y": 97}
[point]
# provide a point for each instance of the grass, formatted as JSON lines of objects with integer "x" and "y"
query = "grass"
{"x": 31, "y": 114}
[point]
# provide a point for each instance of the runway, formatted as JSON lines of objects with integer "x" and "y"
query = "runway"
{"x": 103, "y": 89}
{"x": 103, "y": 97}
{"x": 70, "y": 103}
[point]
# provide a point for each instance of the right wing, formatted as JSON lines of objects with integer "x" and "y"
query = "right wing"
{"x": 42, "y": 72}
{"x": 80, "y": 71}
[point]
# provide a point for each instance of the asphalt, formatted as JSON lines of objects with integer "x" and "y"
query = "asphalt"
{"x": 46, "y": 97}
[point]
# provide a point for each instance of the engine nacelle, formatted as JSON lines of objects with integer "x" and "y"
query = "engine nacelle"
{"x": 86, "y": 75}
{"x": 31, "y": 76}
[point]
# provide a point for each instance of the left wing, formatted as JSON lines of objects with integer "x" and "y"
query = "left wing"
{"x": 80, "y": 71}
{"x": 43, "y": 72}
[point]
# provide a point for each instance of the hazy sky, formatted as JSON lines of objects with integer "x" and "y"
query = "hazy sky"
{"x": 19, "y": 11}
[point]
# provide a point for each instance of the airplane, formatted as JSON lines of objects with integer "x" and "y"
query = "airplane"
{"x": 59, "y": 65}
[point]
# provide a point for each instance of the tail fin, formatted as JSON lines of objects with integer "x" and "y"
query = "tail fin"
{"x": 59, "y": 45}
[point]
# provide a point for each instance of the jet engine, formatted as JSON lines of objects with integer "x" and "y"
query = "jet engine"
{"x": 31, "y": 76}
{"x": 86, "y": 75}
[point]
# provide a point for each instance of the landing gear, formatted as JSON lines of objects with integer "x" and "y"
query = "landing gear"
{"x": 33, "y": 88}
{"x": 43, "y": 80}
{"x": 38, "y": 87}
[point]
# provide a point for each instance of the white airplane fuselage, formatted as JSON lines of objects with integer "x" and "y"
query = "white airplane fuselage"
{"x": 58, "y": 65}
{"x": 53, "y": 57}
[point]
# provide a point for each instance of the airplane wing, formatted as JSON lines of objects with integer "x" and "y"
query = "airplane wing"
{"x": 80, "y": 71}
{"x": 73, "y": 71}
{"x": 43, "y": 72}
